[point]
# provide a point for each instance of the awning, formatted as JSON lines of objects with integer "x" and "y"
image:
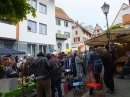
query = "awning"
{"x": 5, "y": 50}
{"x": 122, "y": 36}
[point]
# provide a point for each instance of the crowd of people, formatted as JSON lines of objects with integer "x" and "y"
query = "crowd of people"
{"x": 48, "y": 68}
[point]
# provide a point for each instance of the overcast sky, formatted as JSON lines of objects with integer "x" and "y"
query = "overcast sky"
{"x": 89, "y": 11}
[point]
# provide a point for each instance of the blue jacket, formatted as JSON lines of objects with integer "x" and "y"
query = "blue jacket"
{"x": 97, "y": 59}
{"x": 91, "y": 57}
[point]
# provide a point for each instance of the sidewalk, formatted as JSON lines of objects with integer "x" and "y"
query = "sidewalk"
{"x": 122, "y": 89}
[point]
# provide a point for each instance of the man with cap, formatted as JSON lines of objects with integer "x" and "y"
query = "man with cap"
{"x": 40, "y": 68}
{"x": 126, "y": 67}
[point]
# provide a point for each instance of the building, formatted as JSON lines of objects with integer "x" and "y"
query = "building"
{"x": 7, "y": 34}
{"x": 97, "y": 31}
{"x": 79, "y": 35}
{"x": 63, "y": 30}
{"x": 123, "y": 16}
{"x": 37, "y": 34}
{"x": 89, "y": 28}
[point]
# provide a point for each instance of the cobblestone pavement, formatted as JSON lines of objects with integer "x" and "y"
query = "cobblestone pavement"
{"x": 122, "y": 89}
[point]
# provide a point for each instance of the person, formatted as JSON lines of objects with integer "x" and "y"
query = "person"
{"x": 78, "y": 63}
{"x": 10, "y": 73}
{"x": 40, "y": 69}
{"x": 4, "y": 62}
{"x": 126, "y": 67}
{"x": 55, "y": 78}
{"x": 27, "y": 64}
{"x": 97, "y": 66}
{"x": 109, "y": 69}
{"x": 91, "y": 58}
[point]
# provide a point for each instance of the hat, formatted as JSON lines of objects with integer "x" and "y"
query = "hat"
{"x": 40, "y": 54}
{"x": 127, "y": 52}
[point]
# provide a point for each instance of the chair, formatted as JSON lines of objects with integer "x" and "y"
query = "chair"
{"x": 78, "y": 84}
{"x": 96, "y": 86}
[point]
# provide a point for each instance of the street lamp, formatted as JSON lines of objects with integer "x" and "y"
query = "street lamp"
{"x": 105, "y": 9}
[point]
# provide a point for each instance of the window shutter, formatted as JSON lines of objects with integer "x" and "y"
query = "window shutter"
{"x": 79, "y": 38}
{"x": 74, "y": 39}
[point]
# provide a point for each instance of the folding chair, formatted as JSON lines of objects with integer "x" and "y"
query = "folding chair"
{"x": 78, "y": 84}
{"x": 97, "y": 87}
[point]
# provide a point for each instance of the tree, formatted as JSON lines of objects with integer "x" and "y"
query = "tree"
{"x": 114, "y": 28}
{"x": 16, "y": 10}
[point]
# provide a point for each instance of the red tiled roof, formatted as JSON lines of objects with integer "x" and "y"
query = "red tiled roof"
{"x": 61, "y": 14}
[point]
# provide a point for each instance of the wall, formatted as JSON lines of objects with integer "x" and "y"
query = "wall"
{"x": 48, "y": 19}
{"x": 121, "y": 13}
{"x": 63, "y": 29}
{"x": 7, "y": 31}
{"x": 80, "y": 34}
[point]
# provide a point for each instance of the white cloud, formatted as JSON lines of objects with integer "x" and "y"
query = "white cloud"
{"x": 89, "y": 11}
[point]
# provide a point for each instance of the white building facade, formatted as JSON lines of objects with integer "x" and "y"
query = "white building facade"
{"x": 38, "y": 34}
{"x": 79, "y": 36}
{"x": 7, "y": 34}
{"x": 123, "y": 16}
{"x": 63, "y": 31}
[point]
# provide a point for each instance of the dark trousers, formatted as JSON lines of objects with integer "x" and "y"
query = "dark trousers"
{"x": 109, "y": 81}
{"x": 124, "y": 69}
{"x": 56, "y": 83}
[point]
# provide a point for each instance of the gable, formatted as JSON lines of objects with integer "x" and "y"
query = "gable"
{"x": 125, "y": 9}
{"x": 97, "y": 31}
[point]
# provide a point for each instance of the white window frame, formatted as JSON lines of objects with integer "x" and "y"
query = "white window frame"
{"x": 31, "y": 1}
{"x": 43, "y": 5}
{"x": 67, "y": 33}
{"x": 66, "y": 23}
{"x": 31, "y": 23}
{"x": 57, "y": 23}
{"x": 58, "y": 31}
{"x": 40, "y": 29}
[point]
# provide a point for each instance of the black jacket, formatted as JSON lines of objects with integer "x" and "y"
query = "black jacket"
{"x": 40, "y": 67}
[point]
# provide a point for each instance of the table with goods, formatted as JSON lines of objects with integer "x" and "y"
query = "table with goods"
{"x": 13, "y": 87}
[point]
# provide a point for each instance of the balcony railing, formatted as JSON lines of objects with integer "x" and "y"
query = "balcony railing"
{"x": 61, "y": 36}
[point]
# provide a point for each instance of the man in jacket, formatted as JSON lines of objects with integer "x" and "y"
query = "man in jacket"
{"x": 40, "y": 68}
{"x": 55, "y": 78}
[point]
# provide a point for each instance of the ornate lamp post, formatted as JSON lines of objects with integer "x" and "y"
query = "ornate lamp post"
{"x": 105, "y": 9}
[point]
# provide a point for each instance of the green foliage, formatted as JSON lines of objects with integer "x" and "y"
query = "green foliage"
{"x": 16, "y": 10}
{"x": 114, "y": 28}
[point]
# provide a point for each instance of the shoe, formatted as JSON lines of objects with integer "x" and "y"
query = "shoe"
{"x": 109, "y": 92}
{"x": 120, "y": 77}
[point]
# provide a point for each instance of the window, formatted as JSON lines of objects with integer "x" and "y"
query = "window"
{"x": 124, "y": 8}
{"x": 42, "y": 8}
{"x": 31, "y": 26}
{"x": 33, "y": 3}
{"x": 76, "y": 32}
{"x": 58, "y": 22}
{"x": 68, "y": 34}
{"x": 43, "y": 29}
{"x": 67, "y": 46}
{"x": 66, "y": 24}
{"x": 58, "y": 31}
{"x": 72, "y": 27}
{"x": 77, "y": 39}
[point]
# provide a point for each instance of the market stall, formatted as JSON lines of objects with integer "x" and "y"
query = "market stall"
{"x": 120, "y": 43}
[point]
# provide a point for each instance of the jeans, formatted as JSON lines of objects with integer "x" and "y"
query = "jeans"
{"x": 43, "y": 84}
{"x": 97, "y": 68}
{"x": 56, "y": 83}
{"x": 124, "y": 69}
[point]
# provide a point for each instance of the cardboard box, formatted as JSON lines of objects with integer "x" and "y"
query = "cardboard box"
{"x": 8, "y": 84}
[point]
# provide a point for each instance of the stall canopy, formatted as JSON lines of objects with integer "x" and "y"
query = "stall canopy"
{"x": 122, "y": 36}
{"x": 5, "y": 50}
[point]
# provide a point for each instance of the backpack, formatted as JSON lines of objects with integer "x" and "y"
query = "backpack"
{"x": 56, "y": 68}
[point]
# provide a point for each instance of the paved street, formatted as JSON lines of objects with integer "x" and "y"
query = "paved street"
{"x": 122, "y": 89}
